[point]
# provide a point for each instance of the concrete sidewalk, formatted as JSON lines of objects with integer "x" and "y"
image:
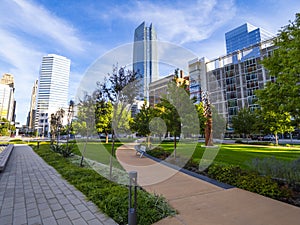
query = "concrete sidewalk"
{"x": 202, "y": 203}
{"x": 32, "y": 192}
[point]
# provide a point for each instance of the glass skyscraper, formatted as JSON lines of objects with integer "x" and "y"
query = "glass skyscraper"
{"x": 245, "y": 36}
{"x": 145, "y": 62}
{"x": 53, "y": 89}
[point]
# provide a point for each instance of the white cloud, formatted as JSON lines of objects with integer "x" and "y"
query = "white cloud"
{"x": 33, "y": 21}
{"x": 22, "y": 62}
{"x": 181, "y": 22}
{"x": 28, "y": 32}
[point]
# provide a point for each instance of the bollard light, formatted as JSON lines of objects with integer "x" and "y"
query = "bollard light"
{"x": 132, "y": 203}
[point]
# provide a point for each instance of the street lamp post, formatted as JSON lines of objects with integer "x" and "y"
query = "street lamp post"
{"x": 132, "y": 205}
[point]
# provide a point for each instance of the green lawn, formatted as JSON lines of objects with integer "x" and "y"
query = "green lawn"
{"x": 98, "y": 151}
{"x": 242, "y": 154}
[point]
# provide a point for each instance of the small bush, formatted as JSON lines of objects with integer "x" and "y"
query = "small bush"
{"x": 111, "y": 198}
{"x": 276, "y": 168}
{"x": 159, "y": 153}
{"x": 67, "y": 150}
{"x": 56, "y": 148}
{"x": 246, "y": 180}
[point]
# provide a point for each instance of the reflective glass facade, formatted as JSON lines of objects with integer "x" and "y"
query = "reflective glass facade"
{"x": 244, "y": 36}
{"x": 145, "y": 58}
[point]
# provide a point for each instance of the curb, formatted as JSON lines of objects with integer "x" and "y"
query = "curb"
{"x": 4, "y": 156}
{"x": 190, "y": 173}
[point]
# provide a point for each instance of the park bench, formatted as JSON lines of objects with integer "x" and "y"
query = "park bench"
{"x": 4, "y": 156}
{"x": 140, "y": 149}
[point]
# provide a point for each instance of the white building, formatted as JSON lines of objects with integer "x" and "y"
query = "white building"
{"x": 6, "y": 102}
{"x": 53, "y": 89}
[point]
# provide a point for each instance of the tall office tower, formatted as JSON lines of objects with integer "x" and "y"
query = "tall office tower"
{"x": 32, "y": 109}
{"x": 243, "y": 37}
{"x": 7, "y": 100}
{"x": 53, "y": 89}
{"x": 145, "y": 59}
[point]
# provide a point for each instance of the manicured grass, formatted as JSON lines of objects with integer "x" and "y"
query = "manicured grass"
{"x": 97, "y": 151}
{"x": 110, "y": 197}
{"x": 242, "y": 154}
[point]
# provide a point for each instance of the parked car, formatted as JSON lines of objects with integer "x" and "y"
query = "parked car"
{"x": 269, "y": 137}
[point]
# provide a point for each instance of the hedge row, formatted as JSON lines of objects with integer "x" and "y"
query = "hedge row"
{"x": 250, "y": 181}
{"x": 112, "y": 199}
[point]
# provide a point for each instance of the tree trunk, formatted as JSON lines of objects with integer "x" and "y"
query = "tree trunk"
{"x": 84, "y": 149}
{"x": 175, "y": 145}
{"x": 276, "y": 139}
{"x": 208, "y": 132}
{"x": 148, "y": 141}
{"x": 106, "y": 138}
{"x": 111, "y": 155}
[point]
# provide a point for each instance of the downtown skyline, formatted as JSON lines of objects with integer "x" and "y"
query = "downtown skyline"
{"x": 85, "y": 30}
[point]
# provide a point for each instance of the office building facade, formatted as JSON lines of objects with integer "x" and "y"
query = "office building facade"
{"x": 7, "y": 100}
{"x": 231, "y": 80}
{"x": 32, "y": 109}
{"x": 145, "y": 59}
{"x": 53, "y": 89}
{"x": 245, "y": 36}
{"x": 159, "y": 88}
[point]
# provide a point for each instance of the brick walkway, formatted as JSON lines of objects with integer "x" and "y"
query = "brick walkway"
{"x": 32, "y": 192}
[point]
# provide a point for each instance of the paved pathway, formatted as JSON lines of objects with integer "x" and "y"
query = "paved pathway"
{"x": 32, "y": 192}
{"x": 202, "y": 203}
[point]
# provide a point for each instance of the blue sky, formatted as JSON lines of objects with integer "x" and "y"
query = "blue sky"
{"x": 83, "y": 30}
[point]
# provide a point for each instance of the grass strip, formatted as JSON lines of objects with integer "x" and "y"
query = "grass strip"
{"x": 111, "y": 198}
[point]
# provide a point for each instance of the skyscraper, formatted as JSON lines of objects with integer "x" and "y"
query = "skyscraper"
{"x": 145, "y": 61}
{"x": 32, "y": 109}
{"x": 52, "y": 89}
{"x": 244, "y": 36}
{"x": 7, "y": 100}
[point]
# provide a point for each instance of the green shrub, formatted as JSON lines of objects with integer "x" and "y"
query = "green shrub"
{"x": 276, "y": 168}
{"x": 112, "y": 199}
{"x": 159, "y": 153}
{"x": 67, "y": 150}
{"x": 16, "y": 141}
{"x": 246, "y": 180}
{"x": 56, "y": 148}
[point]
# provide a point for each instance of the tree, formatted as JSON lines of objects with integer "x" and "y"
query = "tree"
{"x": 56, "y": 124}
{"x": 69, "y": 119}
{"x": 219, "y": 124}
{"x": 104, "y": 117}
{"x": 85, "y": 121}
{"x": 171, "y": 117}
{"x": 120, "y": 88}
{"x": 5, "y": 127}
{"x": 281, "y": 96}
{"x": 141, "y": 122}
{"x": 275, "y": 123}
{"x": 244, "y": 122}
{"x": 201, "y": 117}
